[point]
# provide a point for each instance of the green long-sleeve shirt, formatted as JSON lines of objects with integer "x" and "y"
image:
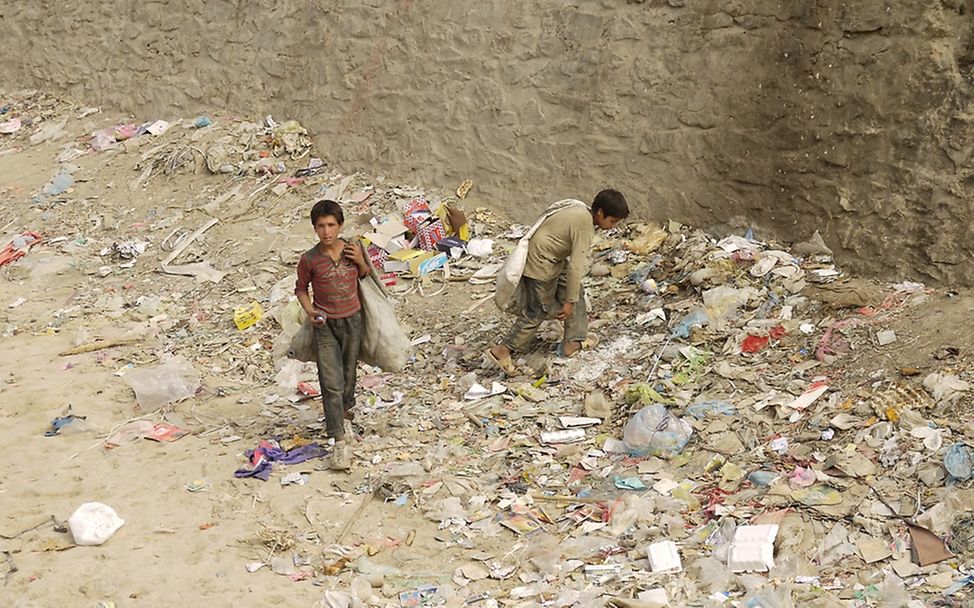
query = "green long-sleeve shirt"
{"x": 562, "y": 244}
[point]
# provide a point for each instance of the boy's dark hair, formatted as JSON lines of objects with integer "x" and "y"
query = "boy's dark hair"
{"x": 326, "y": 207}
{"x": 612, "y": 204}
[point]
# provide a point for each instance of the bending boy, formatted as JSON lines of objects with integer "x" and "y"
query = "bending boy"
{"x": 551, "y": 283}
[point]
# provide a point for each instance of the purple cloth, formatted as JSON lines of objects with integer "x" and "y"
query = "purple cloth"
{"x": 261, "y": 471}
{"x": 269, "y": 451}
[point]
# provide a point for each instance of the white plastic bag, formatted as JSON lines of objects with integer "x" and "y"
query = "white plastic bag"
{"x": 93, "y": 523}
{"x": 654, "y": 431}
{"x": 510, "y": 274}
{"x": 384, "y": 343}
{"x": 172, "y": 381}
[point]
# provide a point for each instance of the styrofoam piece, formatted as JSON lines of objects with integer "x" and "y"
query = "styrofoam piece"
{"x": 752, "y": 549}
{"x": 664, "y": 557}
{"x": 886, "y": 337}
{"x": 654, "y": 597}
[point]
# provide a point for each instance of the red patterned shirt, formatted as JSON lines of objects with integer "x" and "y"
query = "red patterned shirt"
{"x": 334, "y": 284}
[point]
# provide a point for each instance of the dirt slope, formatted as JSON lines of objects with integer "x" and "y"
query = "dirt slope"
{"x": 850, "y": 117}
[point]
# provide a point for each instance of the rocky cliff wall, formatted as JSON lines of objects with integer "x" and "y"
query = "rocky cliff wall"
{"x": 789, "y": 116}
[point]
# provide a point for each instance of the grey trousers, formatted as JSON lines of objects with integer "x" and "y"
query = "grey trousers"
{"x": 337, "y": 346}
{"x": 538, "y": 301}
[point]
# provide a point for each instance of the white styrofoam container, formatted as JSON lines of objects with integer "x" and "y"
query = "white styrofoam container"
{"x": 664, "y": 557}
{"x": 752, "y": 549}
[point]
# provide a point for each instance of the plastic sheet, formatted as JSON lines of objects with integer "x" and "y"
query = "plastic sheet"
{"x": 174, "y": 380}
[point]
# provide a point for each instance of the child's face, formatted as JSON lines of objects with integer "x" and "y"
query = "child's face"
{"x": 605, "y": 222}
{"x": 327, "y": 229}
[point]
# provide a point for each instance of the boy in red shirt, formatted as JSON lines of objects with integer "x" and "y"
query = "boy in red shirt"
{"x": 333, "y": 268}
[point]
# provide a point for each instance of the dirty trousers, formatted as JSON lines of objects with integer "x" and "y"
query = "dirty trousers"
{"x": 337, "y": 345}
{"x": 538, "y": 301}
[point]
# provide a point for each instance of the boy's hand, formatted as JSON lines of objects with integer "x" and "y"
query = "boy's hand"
{"x": 354, "y": 253}
{"x": 318, "y": 318}
{"x": 566, "y": 311}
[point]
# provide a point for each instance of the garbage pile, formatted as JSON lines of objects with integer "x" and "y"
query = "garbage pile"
{"x": 711, "y": 450}
{"x": 724, "y": 443}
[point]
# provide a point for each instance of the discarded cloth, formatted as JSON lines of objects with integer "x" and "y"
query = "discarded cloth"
{"x": 269, "y": 451}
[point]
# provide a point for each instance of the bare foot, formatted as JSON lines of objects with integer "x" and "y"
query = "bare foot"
{"x": 571, "y": 347}
{"x": 500, "y": 352}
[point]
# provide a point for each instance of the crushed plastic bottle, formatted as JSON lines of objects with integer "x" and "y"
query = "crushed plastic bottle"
{"x": 959, "y": 461}
{"x": 697, "y": 317}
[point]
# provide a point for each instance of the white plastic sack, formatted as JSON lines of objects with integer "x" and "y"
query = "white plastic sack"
{"x": 336, "y": 599}
{"x": 945, "y": 388}
{"x": 384, "y": 343}
{"x": 510, "y": 274}
{"x": 93, "y": 523}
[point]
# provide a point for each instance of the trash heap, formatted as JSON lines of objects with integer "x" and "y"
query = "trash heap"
{"x": 727, "y": 442}
{"x": 712, "y": 449}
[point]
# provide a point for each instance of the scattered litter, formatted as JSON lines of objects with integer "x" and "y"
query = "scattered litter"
{"x": 704, "y": 415}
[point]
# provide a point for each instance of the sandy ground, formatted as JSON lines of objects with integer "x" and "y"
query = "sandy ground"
{"x": 175, "y": 546}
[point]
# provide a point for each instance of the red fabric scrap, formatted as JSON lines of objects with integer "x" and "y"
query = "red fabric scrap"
{"x": 753, "y": 344}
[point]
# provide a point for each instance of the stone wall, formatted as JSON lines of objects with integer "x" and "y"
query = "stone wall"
{"x": 852, "y": 117}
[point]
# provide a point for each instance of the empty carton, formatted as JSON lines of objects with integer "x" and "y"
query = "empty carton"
{"x": 752, "y": 549}
{"x": 664, "y": 557}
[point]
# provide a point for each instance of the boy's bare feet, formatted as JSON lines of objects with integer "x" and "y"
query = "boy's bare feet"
{"x": 500, "y": 356}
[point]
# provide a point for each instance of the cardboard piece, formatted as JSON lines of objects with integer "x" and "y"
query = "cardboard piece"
{"x": 521, "y": 524}
{"x": 873, "y": 550}
{"x": 904, "y": 567}
{"x": 399, "y": 260}
{"x": 415, "y": 261}
{"x": 927, "y": 548}
{"x": 384, "y": 233}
